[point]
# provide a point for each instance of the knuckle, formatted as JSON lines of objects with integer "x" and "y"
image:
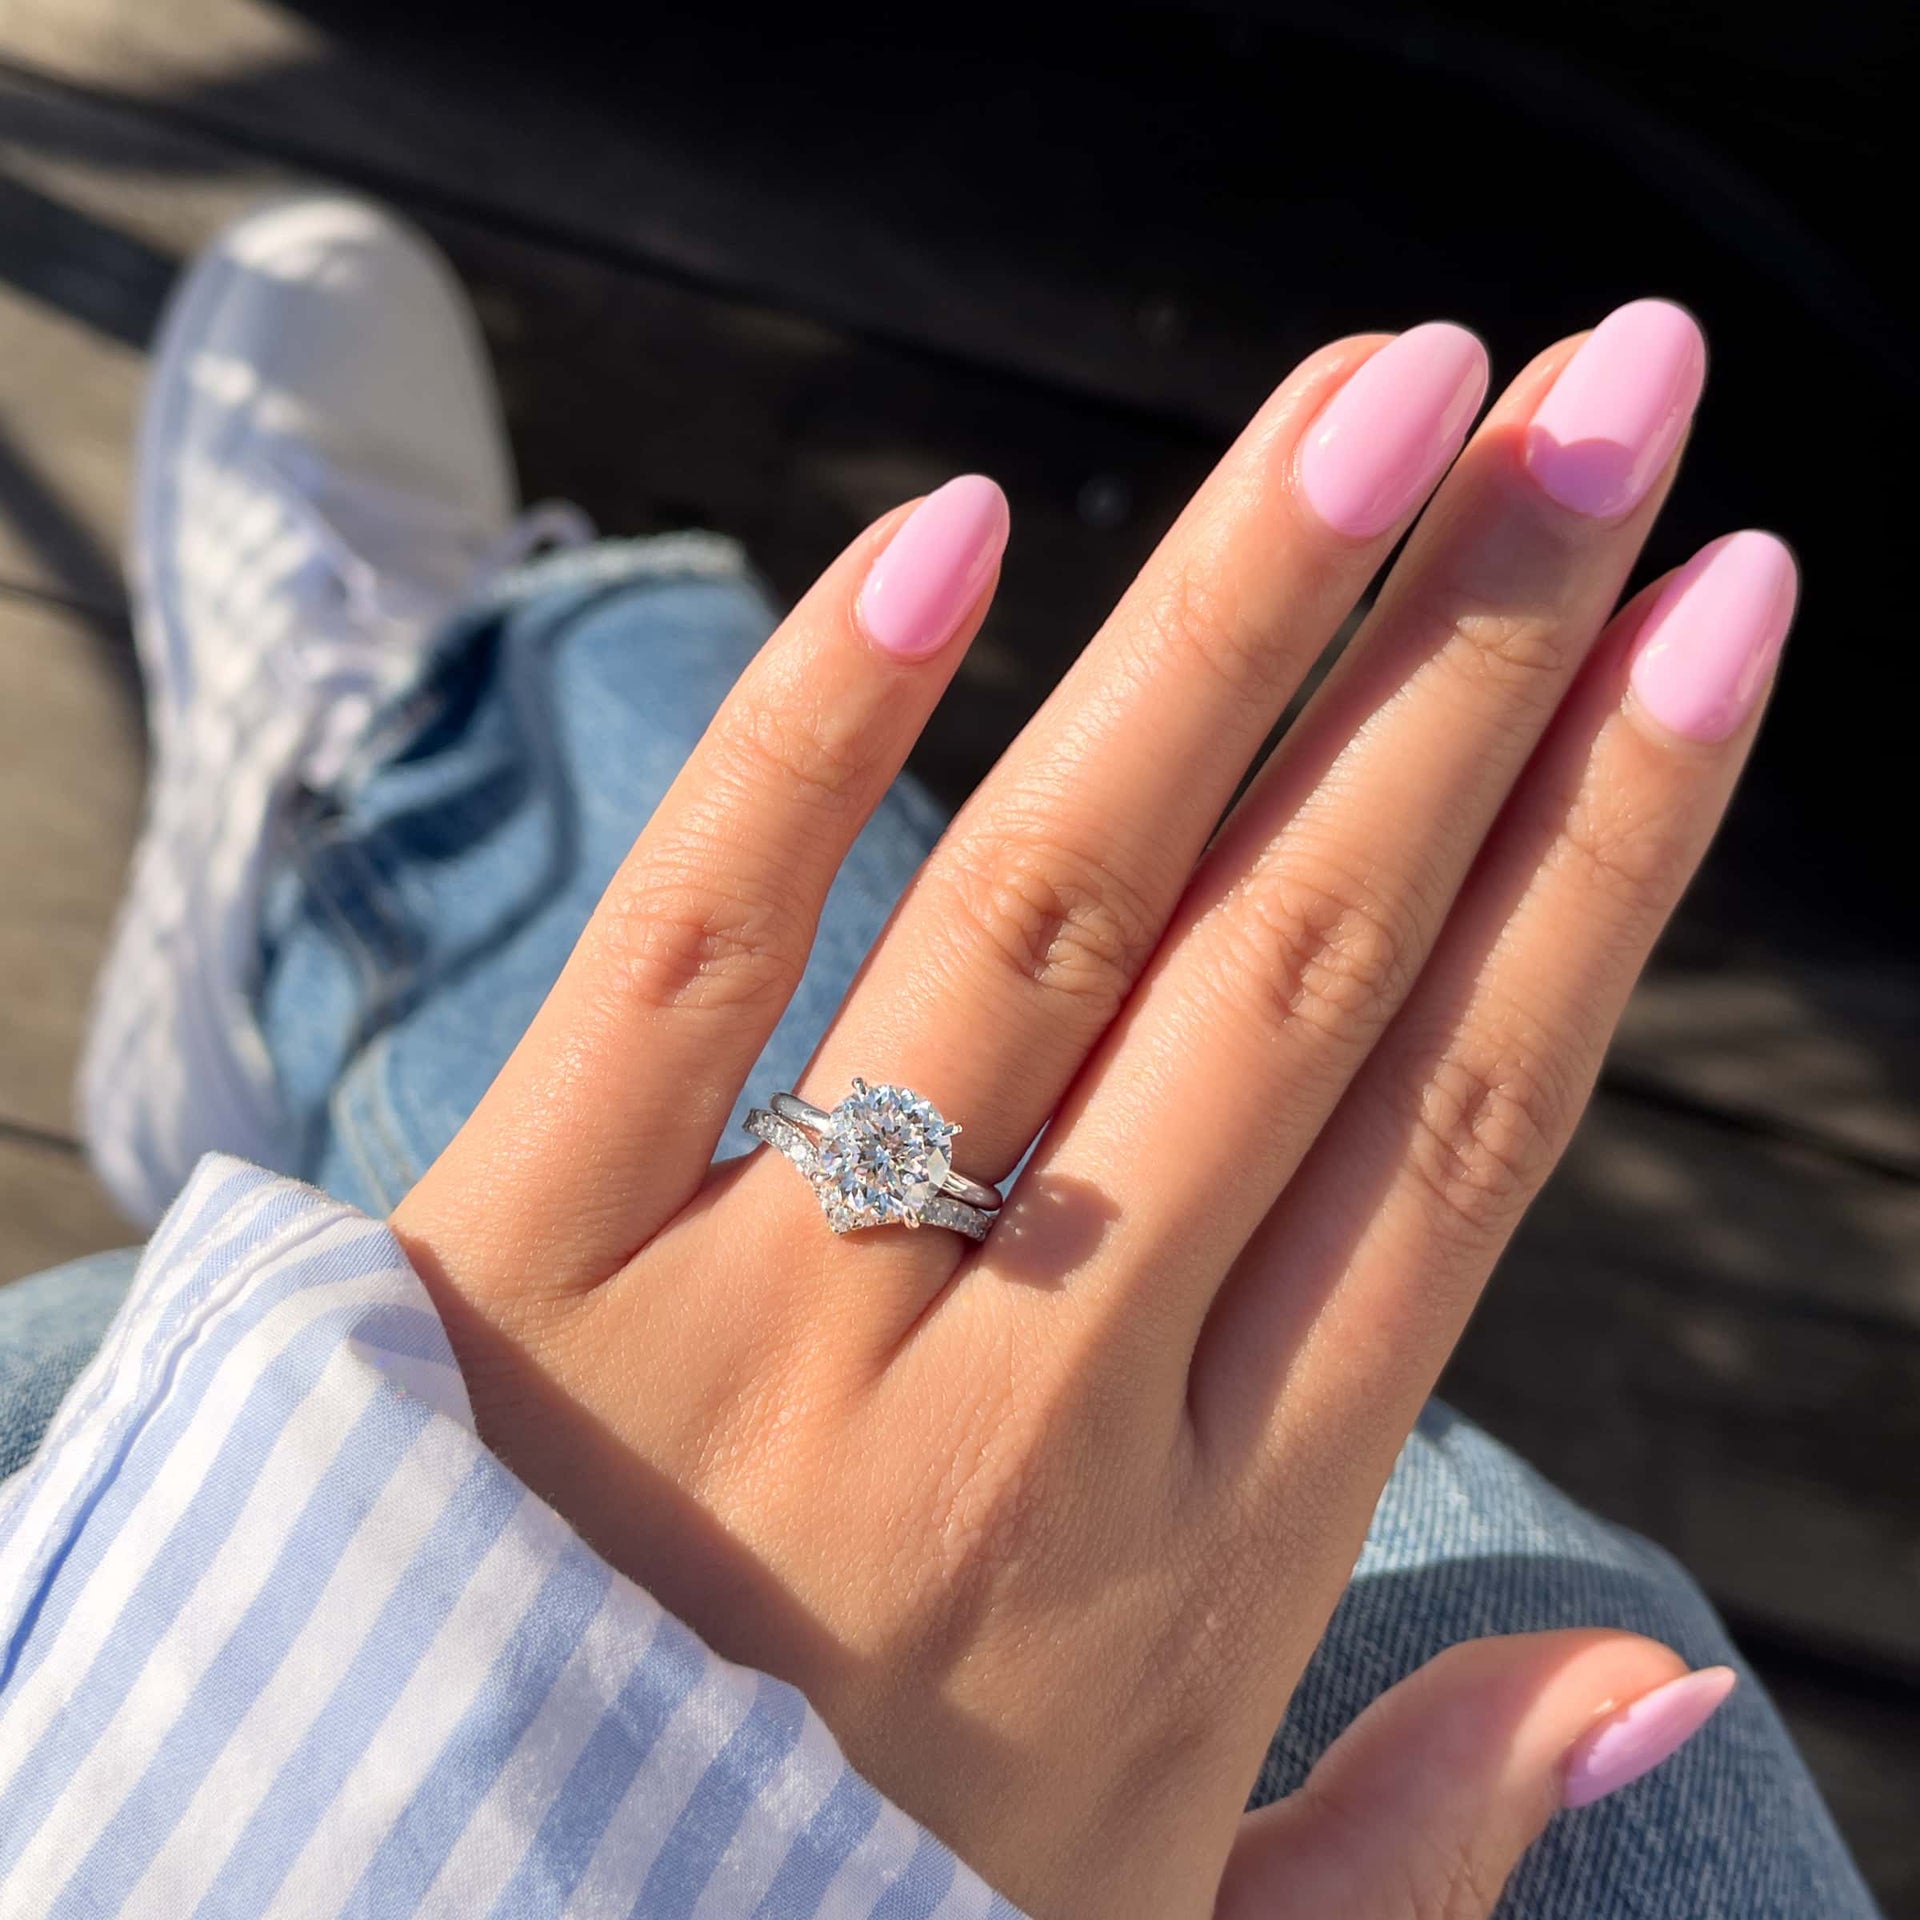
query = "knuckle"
{"x": 1631, "y": 862}
{"x": 1462, "y": 1887}
{"x": 1059, "y": 919}
{"x": 1324, "y": 949}
{"x": 1486, "y": 1134}
{"x": 675, "y": 940}
{"x": 767, "y": 747}
{"x": 1515, "y": 649}
{"x": 1447, "y": 1880}
{"x": 1193, "y": 618}
{"x": 1432, "y": 1873}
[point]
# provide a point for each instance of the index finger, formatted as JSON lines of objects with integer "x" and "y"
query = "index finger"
{"x": 607, "y": 1114}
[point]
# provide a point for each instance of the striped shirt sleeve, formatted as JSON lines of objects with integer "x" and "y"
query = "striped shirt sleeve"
{"x": 279, "y": 1636}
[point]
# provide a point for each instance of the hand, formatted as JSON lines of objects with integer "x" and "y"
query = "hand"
{"x": 1048, "y": 1528}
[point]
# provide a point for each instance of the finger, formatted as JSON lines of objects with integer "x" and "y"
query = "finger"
{"x": 1315, "y": 911}
{"x": 1395, "y": 1221}
{"x": 1032, "y": 919}
{"x": 1426, "y": 1803}
{"x": 605, "y": 1118}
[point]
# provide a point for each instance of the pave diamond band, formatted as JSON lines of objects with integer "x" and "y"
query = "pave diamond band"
{"x": 800, "y": 1147}
{"x": 881, "y": 1158}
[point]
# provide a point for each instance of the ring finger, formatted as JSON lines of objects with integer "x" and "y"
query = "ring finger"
{"x": 1030, "y": 923}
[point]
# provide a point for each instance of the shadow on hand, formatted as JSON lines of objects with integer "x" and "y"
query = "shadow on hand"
{"x": 1591, "y": 469}
{"x": 1051, "y": 1226}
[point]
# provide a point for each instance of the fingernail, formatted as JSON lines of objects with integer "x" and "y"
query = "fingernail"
{"x": 1611, "y": 421}
{"x": 933, "y": 569}
{"x": 1637, "y": 1738}
{"x": 1706, "y": 651}
{"x": 1392, "y": 430}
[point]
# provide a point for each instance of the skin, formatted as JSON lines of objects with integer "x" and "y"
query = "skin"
{"x": 1048, "y": 1529}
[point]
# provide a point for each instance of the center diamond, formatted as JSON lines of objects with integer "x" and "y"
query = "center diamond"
{"x": 883, "y": 1157}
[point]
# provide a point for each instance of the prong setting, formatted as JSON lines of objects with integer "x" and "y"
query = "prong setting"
{"x": 882, "y": 1158}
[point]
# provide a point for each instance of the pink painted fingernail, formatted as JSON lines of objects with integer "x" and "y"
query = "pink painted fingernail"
{"x": 1706, "y": 651}
{"x": 934, "y": 568}
{"x": 1393, "y": 429}
{"x": 1637, "y": 1738}
{"x": 1611, "y": 421}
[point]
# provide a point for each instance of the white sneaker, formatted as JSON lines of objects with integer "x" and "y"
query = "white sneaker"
{"x": 322, "y": 478}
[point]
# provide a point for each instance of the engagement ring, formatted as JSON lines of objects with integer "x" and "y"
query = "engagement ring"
{"x": 881, "y": 1158}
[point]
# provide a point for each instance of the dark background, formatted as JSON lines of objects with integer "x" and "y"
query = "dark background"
{"x": 1161, "y": 209}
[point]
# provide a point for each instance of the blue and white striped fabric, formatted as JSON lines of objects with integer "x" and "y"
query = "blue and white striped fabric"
{"x": 281, "y": 1637}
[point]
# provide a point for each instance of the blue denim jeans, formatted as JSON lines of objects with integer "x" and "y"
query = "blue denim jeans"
{"x": 417, "y": 916}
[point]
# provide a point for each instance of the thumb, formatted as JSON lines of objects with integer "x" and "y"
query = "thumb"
{"x": 1425, "y": 1804}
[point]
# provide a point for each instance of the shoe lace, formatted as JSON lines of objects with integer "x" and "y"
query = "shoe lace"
{"x": 382, "y": 569}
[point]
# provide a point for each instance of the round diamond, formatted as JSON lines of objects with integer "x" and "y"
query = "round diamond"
{"x": 883, "y": 1158}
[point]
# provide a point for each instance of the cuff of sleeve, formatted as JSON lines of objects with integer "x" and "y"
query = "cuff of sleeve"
{"x": 278, "y": 1633}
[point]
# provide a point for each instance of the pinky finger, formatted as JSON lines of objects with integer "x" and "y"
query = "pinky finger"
{"x": 1461, "y": 1112}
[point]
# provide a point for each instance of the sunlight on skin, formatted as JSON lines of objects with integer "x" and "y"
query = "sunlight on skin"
{"x": 1035, "y": 1525}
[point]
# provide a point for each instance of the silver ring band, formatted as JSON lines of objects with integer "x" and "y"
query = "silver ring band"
{"x": 803, "y": 1149}
{"x": 817, "y": 1121}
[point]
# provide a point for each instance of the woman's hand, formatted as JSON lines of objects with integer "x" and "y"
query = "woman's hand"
{"x": 1048, "y": 1528}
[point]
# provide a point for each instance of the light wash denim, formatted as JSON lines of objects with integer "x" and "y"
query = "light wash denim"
{"x": 418, "y": 915}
